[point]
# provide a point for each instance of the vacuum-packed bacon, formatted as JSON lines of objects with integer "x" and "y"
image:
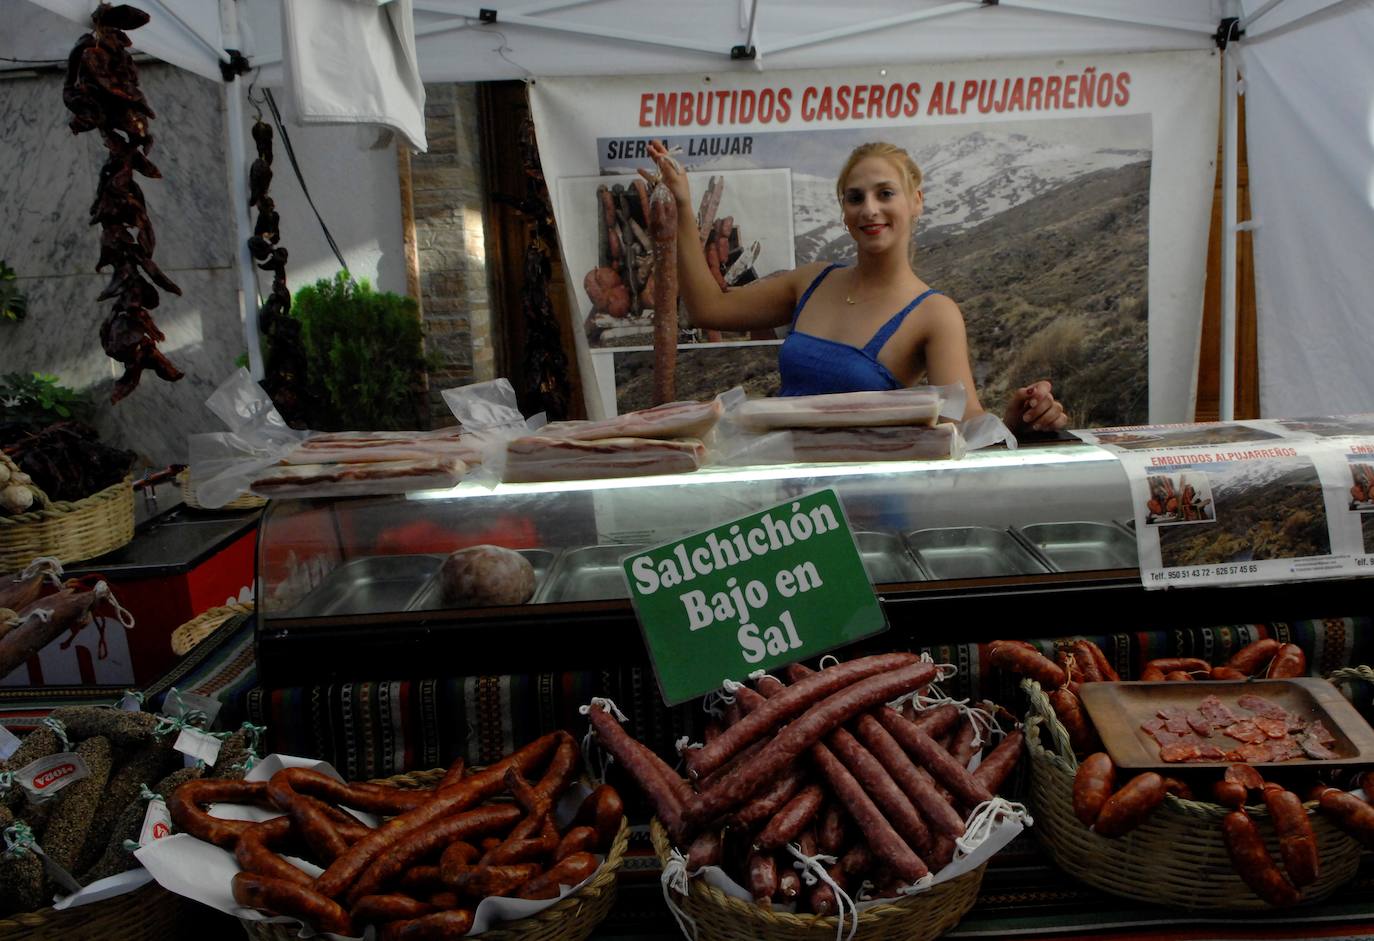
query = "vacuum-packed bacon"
{"x": 843, "y": 410}
{"x": 670, "y": 420}
{"x": 538, "y": 458}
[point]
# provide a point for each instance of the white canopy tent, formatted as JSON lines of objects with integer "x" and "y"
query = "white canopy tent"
{"x": 1310, "y": 110}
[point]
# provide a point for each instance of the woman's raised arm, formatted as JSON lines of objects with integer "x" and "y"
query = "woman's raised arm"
{"x": 754, "y": 306}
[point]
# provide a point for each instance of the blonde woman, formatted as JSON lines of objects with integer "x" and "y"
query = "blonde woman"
{"x": 874, "y": 325}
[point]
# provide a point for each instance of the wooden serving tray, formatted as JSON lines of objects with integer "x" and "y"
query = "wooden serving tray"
{"x": 1118, "y": 710}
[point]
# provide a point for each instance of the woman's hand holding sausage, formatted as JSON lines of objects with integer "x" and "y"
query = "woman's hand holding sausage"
{"x": 670, "y": 172}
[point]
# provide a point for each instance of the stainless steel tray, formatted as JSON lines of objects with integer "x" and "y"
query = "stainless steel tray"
{"x": 592, "y": 573}
{"x": 886, "y": 560}
{"x": 972, "y": 552}
{"x": 1082, "y": 546}
{"x": 429, "y": 599}
{"x": 372, "y": 585}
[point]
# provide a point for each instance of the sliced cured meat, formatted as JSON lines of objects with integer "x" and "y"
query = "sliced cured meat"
{"x": 1244, "y": 731}
{"x": 670, "y": 420}
{"x": 843, "y": 410}
{"x": 1217, "y": 712}
{"x": 1178, "y": 724}
{"x": 298, "y": 480}
{"x": 544, "y": 458}
{"x": 1262, "y": 750}
{"x": 1315, "y": 749}
{"x": 1172, "y": 712}
{"x": 1318, "y": 733}
{"x": 1262, "y": 707}
{"x": 1181, "y": 751}
{"x": 1210, "y": 752}
{"x": 913, "y": 443}
{"x": 1199, "y": 724}
{"x": 1273, "y": 728}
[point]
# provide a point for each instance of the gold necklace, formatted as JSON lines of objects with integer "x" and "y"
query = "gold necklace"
{"x": 848, "y": 298}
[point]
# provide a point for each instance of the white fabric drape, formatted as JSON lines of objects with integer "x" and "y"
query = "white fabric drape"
{"x": 1309, "y": 107}
{"x": 351, "y": 62}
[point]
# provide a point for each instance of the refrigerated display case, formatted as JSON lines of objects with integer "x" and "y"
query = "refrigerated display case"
{"x": 1022, "y": 542}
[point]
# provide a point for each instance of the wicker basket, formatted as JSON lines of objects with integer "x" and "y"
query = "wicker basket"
{"x": 570, "y": 919}
{"x": 69, "y": 531}
{"x": 1176, "y": 857}
{"x": 185, "y": 637}
{"x": 920, "y": 917}
{"x": 244, "y": 501}
{"x": 150, "y": 913}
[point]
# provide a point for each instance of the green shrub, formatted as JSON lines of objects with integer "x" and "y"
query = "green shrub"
{"x": 37, "y": 400}
{"x": 14, "y": 304}
{"x": 365, "y": 364}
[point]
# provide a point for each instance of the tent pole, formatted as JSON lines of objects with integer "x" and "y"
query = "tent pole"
{"x": 1230, "y": 147}
{"x": 237, "y": 167}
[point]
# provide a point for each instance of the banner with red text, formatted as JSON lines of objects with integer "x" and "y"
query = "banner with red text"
{"x": 1067, "y": 205}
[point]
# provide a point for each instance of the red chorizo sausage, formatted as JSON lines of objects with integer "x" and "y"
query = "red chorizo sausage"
{"x": 1068, "y": 662}
{"x": 801, "y": 733}
{"x": 937, "y": 721}
{"x": 603, "y": 810}
{"x": 1288, "y": 662}
{"x": 1250, "y": 658}
{"x": 1178, "y": 676}
{"x": 1151, "y": 675}
{"x": 569, "y": 872}
{"x": 832, "y": 834}
{"x": 992, "y": 772}
{"x": 761, "y": 876}
{"x": 481, "y": 880}
{"x": 412, "y": 846}
{"x": 1085, "y": 661}
{"x": 561, "y": 770}
{"x": 1297, "y": 842}
{"x": 879, "y": 785}
{"x": 1351, "y": 814}
{"x": 345, "y": 870}
{"x": 786, "y": 704}
{"x": 1093, "y": 783}
{"x": 1027, "y": 662}
{"x": 1251, "y": 861}
{"x": 1067, "y": 707}
{"x": 1228, "y": 673}
{"x": 663, "y": 233}
{"x": 928, "y": 754}
{"x": 795, "y": 816}
{"x": 1104, "y": 666}
{"x": 421, "y": 879}
{"x": 308, "y": 818}
{"x": 1229, "y": 794}
{"x": 1177, "y": 788}
{"x": 655, "y": 779}
{"x": 454, "y": 774}
{"x": 764, "y": 805}
{"x": 186, "y": 809}
{"x": 916, "y": 783}
{"x": 705, "y": 850}
{"x": 440, "y": 926}
{"x": 379, "y": 909}
{"x": 1167, "y": 665}
{"x": 576, "y": 840}
{"x": 1127, "y": 808}
{"x": 254, "y": 852}
{"x": 1244, "y": 775}
{"x": 882, "y": 839}
{"x": 289, "y": 898}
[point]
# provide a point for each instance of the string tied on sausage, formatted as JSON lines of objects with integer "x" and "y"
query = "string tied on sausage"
{"x": 606, "y": 757}
{"x": 58, "y": 729}
{"x": 18, "y": 840}
{"x": 812, "y": 869}
{"x": 834, "y": 661}
{"x": 758, "y": 676}
{"x": 931, "y": 695}
{"x": 712, "y": 702}
{"x": 123, "y": 614}
{"x": 919, "y": 886}
{"x": 985, "y": 819}
{"x": 48, "y": 566}
{"x": 685, "y": 743}
{"x": 675, "y": 877}
{"x": 731, "y": 687}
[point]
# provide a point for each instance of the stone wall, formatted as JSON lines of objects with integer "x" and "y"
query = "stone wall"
{"x": 447, "y": 186}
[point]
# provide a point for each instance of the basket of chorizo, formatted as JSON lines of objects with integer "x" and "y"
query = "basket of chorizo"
{"x": 1195, "y": 789}
{"x": 815, "y": 807}
{"x": 517, "y": 850}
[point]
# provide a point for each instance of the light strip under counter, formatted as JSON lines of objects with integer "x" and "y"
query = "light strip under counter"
{"x": 710, "y": 475}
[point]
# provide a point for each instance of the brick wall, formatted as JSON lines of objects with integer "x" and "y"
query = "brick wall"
{"x": 455, "y": 300}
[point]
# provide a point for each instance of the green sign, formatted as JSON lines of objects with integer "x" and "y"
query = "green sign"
{"x": 753, "y": 594}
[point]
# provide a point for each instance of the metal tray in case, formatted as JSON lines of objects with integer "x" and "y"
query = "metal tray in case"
{"x": 372, "y": 585}
{"x": 592, "y": 573}
{"x": 886, "y": 559}
{"x": 971, "y": 552}
{"x": 542, "y": 560}
{"x": 1082, "y": 546}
